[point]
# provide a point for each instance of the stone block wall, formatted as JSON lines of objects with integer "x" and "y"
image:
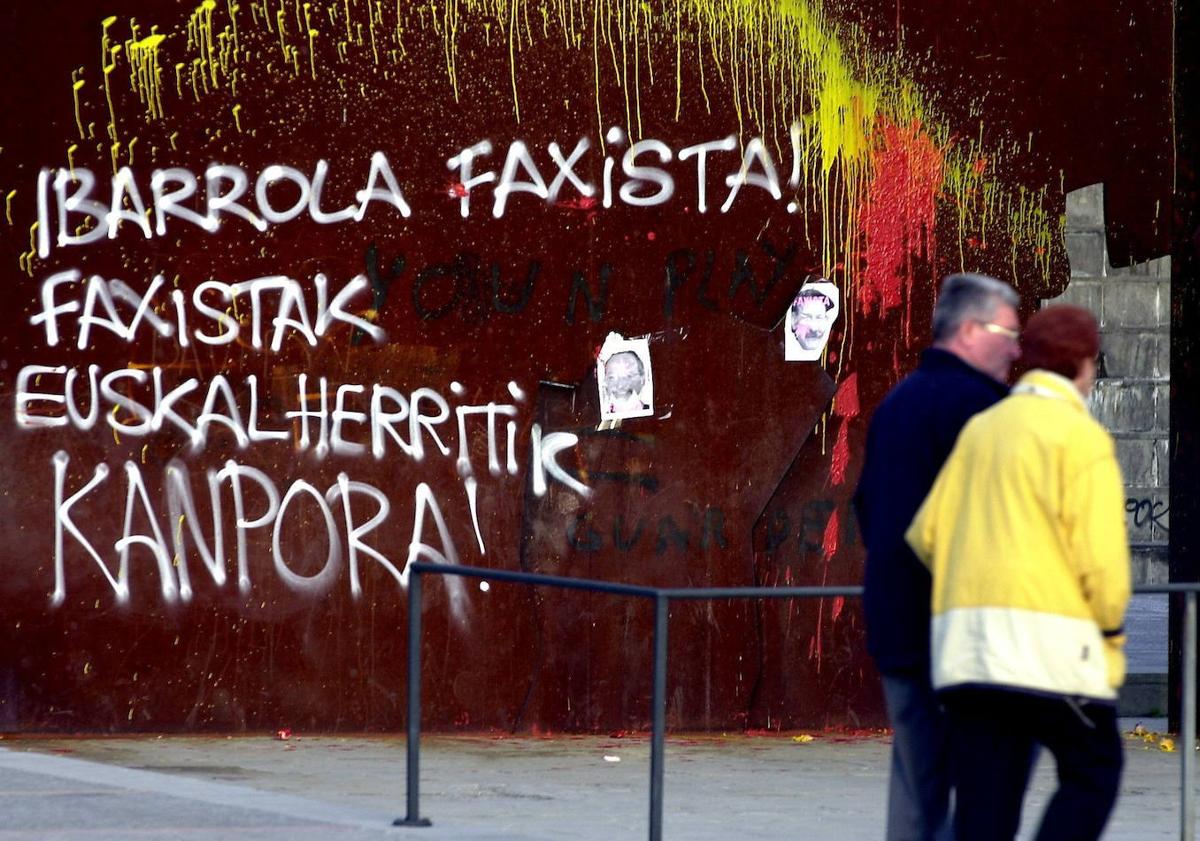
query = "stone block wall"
{"x": 1132, "y": 396}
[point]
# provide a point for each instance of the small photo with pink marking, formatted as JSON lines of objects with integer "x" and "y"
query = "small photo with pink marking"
{"x": 809, "y": 320}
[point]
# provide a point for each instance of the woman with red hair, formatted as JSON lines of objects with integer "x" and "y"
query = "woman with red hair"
{"x": 1024, "y": 536}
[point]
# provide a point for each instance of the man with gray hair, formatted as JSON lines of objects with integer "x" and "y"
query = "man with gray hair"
{"x": 975, "y": 341}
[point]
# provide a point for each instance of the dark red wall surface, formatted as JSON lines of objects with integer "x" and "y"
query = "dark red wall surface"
{"x": 931, "y": 139}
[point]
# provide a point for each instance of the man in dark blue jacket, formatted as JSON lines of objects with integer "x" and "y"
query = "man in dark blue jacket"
{"x": 975, "y": 341}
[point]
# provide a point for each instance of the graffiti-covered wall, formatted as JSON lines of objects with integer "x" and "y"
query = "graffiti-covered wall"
{"x": 299, "y": 293}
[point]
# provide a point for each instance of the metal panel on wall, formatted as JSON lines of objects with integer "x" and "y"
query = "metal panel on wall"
{"x": 302, "y": 292}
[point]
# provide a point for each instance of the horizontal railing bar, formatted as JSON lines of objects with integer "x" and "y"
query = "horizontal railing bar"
{"x": 702, "y": 593}
{"x": 1173, "y": 587}
{"x": 537, "y": 578}
{"x": 694, "y": 593}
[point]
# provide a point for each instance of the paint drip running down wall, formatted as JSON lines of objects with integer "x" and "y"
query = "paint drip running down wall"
{"x": 870, "y": 161}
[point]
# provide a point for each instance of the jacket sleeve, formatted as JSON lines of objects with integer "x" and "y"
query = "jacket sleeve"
{"x": 1095, "y": 513}
{"x": 922, "y": 532}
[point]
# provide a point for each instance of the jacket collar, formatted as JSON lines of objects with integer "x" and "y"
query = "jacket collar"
{"x": 1045, "y": 383}
{"x": 935, "y": 360}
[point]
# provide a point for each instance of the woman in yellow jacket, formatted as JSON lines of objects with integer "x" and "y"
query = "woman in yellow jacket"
{"x": 1024, "y": 535}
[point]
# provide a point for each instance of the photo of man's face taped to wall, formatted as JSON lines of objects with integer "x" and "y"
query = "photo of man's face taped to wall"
{"x": 625, "y": 378}
{"x": 809, "y": 320}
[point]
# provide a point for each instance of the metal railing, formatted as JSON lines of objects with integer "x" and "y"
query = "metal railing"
{"x": 662, "y": 598}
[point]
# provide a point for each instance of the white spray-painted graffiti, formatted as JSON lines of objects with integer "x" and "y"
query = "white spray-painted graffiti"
{"x": 234, "y": 478}
{"x": 350, "y": 420}
{"x": 99, "y": 311}
{"x": 68, "y": 196}
{"x": 77, "y": 312}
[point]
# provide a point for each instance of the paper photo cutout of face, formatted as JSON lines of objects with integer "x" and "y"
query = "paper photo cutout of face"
{"x": 809, "y": 321}
{"x": 625, "y": 378}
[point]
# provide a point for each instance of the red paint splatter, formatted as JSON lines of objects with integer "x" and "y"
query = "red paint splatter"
{"x": 899, "y": 214}
{"x": 845, "y": 402}
{"x": 839, "y": 602}
{"x": 815, "y": 649}
{"x": 458, "y": 190}
{"x": 830, "y": 543}
{"x": 580, "y": 203}
{"x": 651, "y": 236}
{"x": 839, "y": 459}
{"x": 980, "y": 166}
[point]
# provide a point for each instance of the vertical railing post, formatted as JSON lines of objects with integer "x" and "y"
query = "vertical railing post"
{"x": 413, "y": 818}
{"x": 658, "y": 717}
{"x": 1187, "y": 810}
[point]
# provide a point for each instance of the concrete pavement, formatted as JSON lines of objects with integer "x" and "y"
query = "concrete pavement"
{"x": 489, "y": 788}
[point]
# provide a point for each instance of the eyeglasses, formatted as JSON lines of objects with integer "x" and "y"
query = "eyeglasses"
{"x": 1000, "y": 330}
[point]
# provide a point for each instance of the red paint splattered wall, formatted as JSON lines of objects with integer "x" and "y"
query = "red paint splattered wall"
{"x": 234, "y": 415}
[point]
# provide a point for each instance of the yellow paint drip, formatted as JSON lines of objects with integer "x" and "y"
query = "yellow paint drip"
{"x": 109, "y": 53}
{"x": 25, "y": 261}
{"x": 8, "y": 200}
{"x": 145, "y": 72}
{"x": 281, "y": 26}
{"x": 371, "y": 29}
{"x": 76, "y": 85}
{"x": 234, "y": 40}
{"x": 450, "y": 45}
{"x": 200, "y": 37}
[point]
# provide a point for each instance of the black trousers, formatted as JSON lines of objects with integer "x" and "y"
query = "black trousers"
{"x": 992, "y": 734}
